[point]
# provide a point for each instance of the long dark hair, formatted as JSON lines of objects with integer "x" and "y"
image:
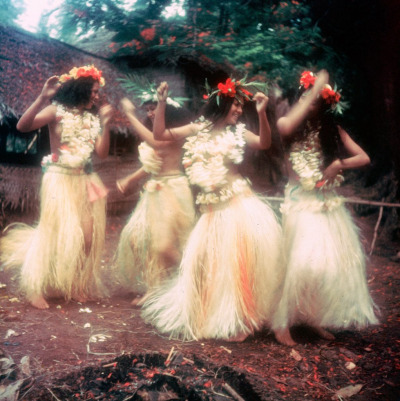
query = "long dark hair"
{"x": 331, "y": 144}
{"x": 174, "y": 116}
{"x": 214, "y": 112}
{"x": 75, "y": 92}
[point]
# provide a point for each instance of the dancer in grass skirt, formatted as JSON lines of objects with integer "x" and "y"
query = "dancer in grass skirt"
{"x": 151, "y": 243}
{"x": 227, "y": 283}
{"x": 60, "y": 256}
{"x": 325, "y": 284}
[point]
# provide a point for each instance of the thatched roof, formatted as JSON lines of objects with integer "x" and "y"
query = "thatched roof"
{"x": 27, "y": 60}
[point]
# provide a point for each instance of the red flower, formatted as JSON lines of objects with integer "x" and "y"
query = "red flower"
{"x": 329, "y": 95}
{"x": 205, "y": 97}
{"x": 148, "y": 34}
{"x": 320, "y": 183}
{"x": 54, "y": 157}
{"x": 228, "y": 88}
{"x": 307, "y": 79}
{"x": 246, "y": 92}
{"x": 81, "y": 72}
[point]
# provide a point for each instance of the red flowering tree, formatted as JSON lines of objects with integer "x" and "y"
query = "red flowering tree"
{"x": 273, "y": 39}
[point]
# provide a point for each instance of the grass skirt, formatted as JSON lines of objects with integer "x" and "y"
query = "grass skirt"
{"x": 151, "y": 243}
{"x": 52, "y": 254}
{"x": 228, "y": 276}
{"x": 325, "y": 282}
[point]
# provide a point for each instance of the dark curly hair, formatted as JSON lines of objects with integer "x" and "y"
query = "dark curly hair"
{"x": 75, "y": 92}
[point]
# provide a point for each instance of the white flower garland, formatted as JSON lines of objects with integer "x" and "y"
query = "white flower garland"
{"x": 239, "y": 186}
{"x": 307, "y": 163}
{"x": 78, "y": 137}
{"x": 204, "y": 161}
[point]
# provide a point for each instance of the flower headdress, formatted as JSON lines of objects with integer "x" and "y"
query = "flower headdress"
{"x": 238, "y": 89}
{"x": 331, "y": 96}
{"x": 146, "y": 91}
{"x": 85, "y": 71}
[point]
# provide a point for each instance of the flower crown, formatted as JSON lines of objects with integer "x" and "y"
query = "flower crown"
{"x": 146, "y": 91}
{"x": 330, "y": 96}
{"x": 85, "y": 71}
{"x": 233, "y": 88}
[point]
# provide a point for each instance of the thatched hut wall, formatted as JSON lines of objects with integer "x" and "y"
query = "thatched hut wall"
{"x": 26, "y": 62}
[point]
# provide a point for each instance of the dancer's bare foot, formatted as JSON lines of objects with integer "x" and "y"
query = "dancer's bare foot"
{"x": 140, "y": 300}
{"x": 283, "y": 337}
{"x": 239, "y": 338}
{"x": 323, "y": 333}
{"x": 39, "y": 302}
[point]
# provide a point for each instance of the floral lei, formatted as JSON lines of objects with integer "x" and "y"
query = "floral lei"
{"x": 204, "y": 161}
{"x": 79, "y": 134}
{"x": 307, "y": 162}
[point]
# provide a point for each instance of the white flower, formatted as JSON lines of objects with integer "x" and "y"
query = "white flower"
{"x": 153, "y": 185}
{"x": 173, "y": 102}
{"x": 307, "y": 183}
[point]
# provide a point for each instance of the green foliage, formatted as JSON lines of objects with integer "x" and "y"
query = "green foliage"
{"x": 272, "y": 39}
{"x": 145, "y": 91}
{"x": 10, "y": 11}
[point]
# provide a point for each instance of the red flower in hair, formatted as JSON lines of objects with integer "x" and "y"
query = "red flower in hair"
{"x": 329, "y": 95}
{"x": 81, "y": 72}
{"x": 228, "y": 88}
{"x": 307, "y": 79}
{"x": 246, "y": 92}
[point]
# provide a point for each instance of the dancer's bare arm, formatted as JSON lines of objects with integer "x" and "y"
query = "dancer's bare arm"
{"x": 102, "y": 145}
{"x": 40, "y": 112}
{"x": 144, "y": 134}
{"x": 358, "y": 157}
{"x": 288, "y": 124}
{"x": 123, "y": 184}
{"x": 263, "y": 140}
{"x": 159, "y": 131}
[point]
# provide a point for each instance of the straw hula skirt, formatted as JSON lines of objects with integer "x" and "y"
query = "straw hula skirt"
{"x": 325, "y": 284}
{"x": 52, "y": 255}
{"x": 151, "y": 243}
{"x": 229, "y": 274}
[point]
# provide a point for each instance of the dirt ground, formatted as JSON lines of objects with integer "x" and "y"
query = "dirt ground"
{"x": 105, "y": 351}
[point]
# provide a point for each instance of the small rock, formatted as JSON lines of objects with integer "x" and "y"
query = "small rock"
{"x": 26, "y": 370}
{"x": 295, "y": 355}
{"x": 350, "y": 365}
{"x": 347, "y": 392}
